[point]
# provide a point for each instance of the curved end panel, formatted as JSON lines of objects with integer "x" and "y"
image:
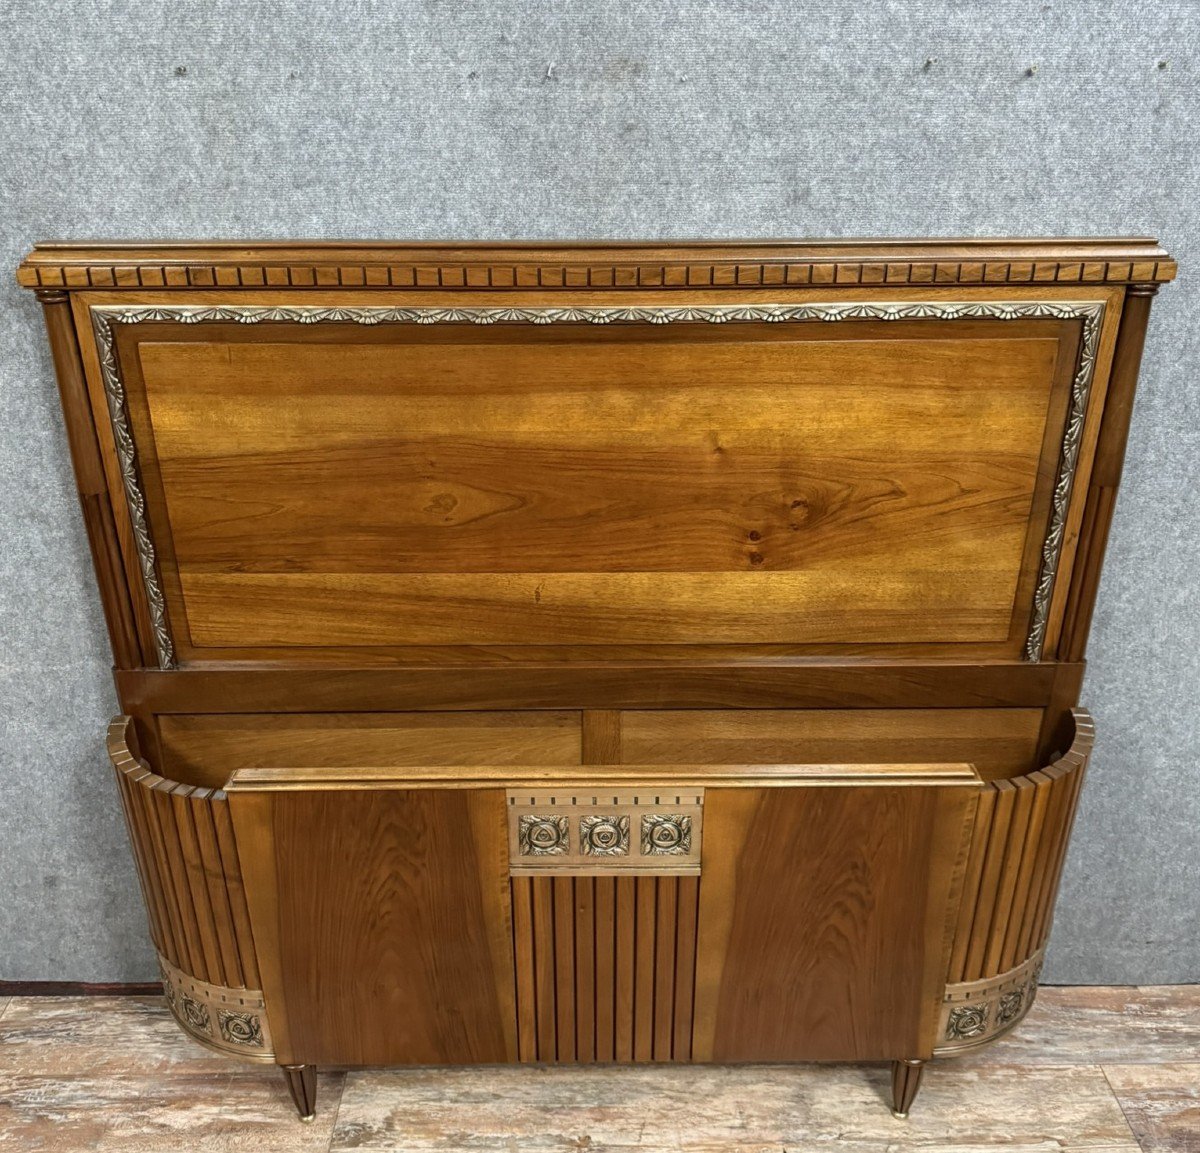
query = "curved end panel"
{"x": 1019, "y": 844}
{"x": 187, "y": 862}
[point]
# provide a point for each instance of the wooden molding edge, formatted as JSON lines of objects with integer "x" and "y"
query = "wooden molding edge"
{"x": 728, "y": 264}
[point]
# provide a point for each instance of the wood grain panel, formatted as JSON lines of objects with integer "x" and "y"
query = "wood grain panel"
{"x": 823, "y": 921}
{"x": 469, "y": 380}
{"x": 875, "y": 605}
{"x": 605, "y": 967}
{"x": 463, "y": 679}
{"x": 998, "y": 742}
{"x": 385, "y": 910}
{"x": 870, "y": 483}
{"x": 684, "y": 503}
{"x": 1021, "y": 831}
{"x": 206, "y": 749}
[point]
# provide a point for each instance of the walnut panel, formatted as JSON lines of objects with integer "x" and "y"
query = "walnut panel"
{"x": 824, "y": 920}
{"x": 605, "y": 967}
{"x": 874, "y": 607}
{"x": 998, "y": 742}
{"x": 386, "y": 914}
{"x": 206, "y": 749}
{"x": 873, "y": 481}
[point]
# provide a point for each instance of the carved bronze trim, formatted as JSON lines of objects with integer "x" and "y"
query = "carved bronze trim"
{"x": 666, "y": 835}
{"x": 544, "y": 836}
{"x": 1090, "y": 312}
{"x": 977, "y": 1012}
{"x": 590, "y": 832}
{"x": 118, "y": 413}
{"x": 604, "y": 835}
{"x": 232, "y": 1021}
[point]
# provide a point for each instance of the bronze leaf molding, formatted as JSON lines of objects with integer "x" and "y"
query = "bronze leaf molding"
{"x": 1089, "y": 312}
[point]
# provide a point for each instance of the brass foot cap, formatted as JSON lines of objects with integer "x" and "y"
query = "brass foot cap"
{"x": 309, "y": 1119}
{"x": 897, "y": 1113}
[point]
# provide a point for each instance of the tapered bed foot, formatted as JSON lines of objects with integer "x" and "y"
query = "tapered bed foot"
{"x": 302, "y": 1084}
{"x": 906, "y": 1080}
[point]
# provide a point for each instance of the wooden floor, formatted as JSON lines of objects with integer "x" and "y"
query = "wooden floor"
{"x": 1111, "y": 1070}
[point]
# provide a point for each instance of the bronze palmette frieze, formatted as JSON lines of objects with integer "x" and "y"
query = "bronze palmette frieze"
{"x": 1090, "y": 313}
{"x": 233, "y": 1021}
{"x": 592, "y": 831}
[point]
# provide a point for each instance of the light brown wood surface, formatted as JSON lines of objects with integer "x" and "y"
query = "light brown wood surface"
{"x": 387, "y": 914}
{"x": 865, "y": 483}
{"x": 823, "y": 930}
{"x": 998, "y": 742}
{"x": 207, "y": 749}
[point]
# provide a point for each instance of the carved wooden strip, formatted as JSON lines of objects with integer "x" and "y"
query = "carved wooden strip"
{"x": 543, "y": 969}
{"x": 564, "y": 965}
{"x": 205, "y": 922}
{"x": 675, "y": 274}
{"x": 523, "y": 946}
{"x": 157, "y": 857}
{"x": 1024, "y": 881}
{"x": 218, "y": 891}
{"x": 236, "y": 890}
{"x": 585, "y": 968}
{"x": 667, "y": 894}
{"x": 172, "y": 839}
{"x": 1006, "y": 887}
{"x": 623, "y": 1000}
{"x": 990, "y": 882}
{"x": 1051, "y": 832}
{"x": 971, "y": 882}
{"x": 606, "y": 972}
{"x": 685, "y": 967}
{"x": 1071, "y": 802}
{"x": 147, "y": 876}
{"x": 166, "y": 848}
{"x": 644, "y": 967}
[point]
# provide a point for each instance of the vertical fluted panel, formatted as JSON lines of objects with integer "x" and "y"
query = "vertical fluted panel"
{"x": 186, "y": 859}
{"x": 1022, "y": 827}
{"x": 605, "y": 967}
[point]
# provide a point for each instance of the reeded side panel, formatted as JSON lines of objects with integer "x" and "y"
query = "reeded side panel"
{"x": 187, "y": 863}
{"x": 605, "y": 967}
{"x": 1022, "y": 828}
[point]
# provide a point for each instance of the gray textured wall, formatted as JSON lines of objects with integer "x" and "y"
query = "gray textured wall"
{"x": 608, "y": 118}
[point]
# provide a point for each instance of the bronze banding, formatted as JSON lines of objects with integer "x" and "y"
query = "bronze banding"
{"x": 231, "y": 1021}
{"x": 974, "y": 1013}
